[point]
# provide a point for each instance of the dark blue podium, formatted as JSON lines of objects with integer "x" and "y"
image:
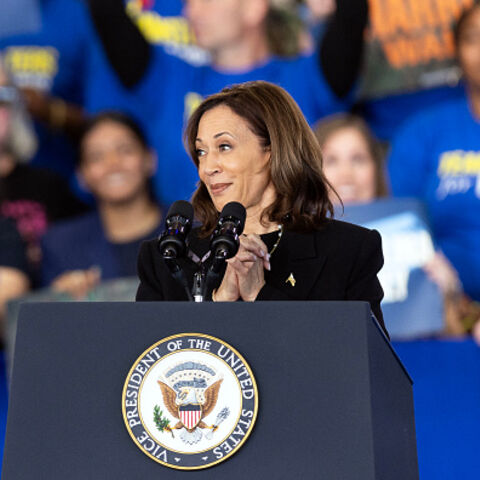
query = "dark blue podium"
{"x": 334, "y": 400}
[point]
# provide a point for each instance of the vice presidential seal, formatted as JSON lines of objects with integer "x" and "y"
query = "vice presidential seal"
{"x": 190, "y": 401}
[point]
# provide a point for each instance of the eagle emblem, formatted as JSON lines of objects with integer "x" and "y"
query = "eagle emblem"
{"x": 190, "y": 401}
{"x": 189, "y": 398}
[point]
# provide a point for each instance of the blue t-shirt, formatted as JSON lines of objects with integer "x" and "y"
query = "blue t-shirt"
{"x": 81, "y": 243}
{"x": 173, "y": 88}
{"x": 385, "y": 115}
{"x": 436, "y": 157}
{"x": 52, "y": 60}
{"x": 163, "y": 25}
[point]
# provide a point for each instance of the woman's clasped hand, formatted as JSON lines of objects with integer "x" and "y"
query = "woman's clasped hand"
{"x": 244, "y": 275}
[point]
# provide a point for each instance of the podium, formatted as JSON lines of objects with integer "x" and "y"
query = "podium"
{"x": 335, "y": 401}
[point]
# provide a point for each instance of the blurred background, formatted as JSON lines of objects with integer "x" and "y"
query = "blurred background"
{"x": 94, "y": 95}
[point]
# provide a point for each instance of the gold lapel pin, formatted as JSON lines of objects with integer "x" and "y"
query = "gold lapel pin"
{"x": 291, "y": 280}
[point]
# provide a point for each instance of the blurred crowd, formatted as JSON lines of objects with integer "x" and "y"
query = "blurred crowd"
{"x": 94, "y": 95}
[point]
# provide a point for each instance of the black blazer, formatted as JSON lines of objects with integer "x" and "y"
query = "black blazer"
{"x": 339, "y": 261}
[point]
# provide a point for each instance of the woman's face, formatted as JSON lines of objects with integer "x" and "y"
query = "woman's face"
{"x": 469, "y": 48}
{"x": 349, "y": 166}
{"x": 115, "y": 166}
{"x": 233, "y": 164}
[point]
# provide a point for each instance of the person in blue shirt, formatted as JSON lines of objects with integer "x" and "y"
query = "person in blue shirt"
{"x": 116, "y": 165}
{"x": 436, "y": 157}
{"x": 165, "y": 90}
{"x": 161, "y": 24}
{"x": 47, "y": 65}
{"x": 353, "y": 163}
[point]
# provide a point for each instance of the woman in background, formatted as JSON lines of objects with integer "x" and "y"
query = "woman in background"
{"x": 436, "y": 157}
{"x": 115, "y": 165}
{"x": 353, "y": 164}
{"x": 352, "y": 159}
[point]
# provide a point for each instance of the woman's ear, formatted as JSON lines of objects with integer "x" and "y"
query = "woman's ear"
{"x": 268, "y": 149}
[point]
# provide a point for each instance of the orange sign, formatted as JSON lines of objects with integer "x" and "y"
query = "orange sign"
{"x": 415, "y": 32}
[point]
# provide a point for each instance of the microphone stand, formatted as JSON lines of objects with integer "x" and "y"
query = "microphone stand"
{"x": 215, "y": 270}
{"x": 176, "y": 271}
{"x": 203, "y": 283}
{"x": 198, "y": 288}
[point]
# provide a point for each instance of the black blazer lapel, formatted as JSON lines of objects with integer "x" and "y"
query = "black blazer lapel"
{"x": 296, "y": 265}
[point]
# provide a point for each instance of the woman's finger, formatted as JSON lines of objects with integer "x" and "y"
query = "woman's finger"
{"x": 239, "y": 266}
{"x": 254, "y": 243}
{"x": 246, "y": 256}
{"x": 258, "y": 251}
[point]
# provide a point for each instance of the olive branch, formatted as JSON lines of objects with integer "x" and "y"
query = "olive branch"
{"x": 162, "y": 423}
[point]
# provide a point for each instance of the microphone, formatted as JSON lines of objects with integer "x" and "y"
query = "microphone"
{"x": 225, "y": 239}
{"x": 172, "y": 242}
{"x": 178, "y": 222}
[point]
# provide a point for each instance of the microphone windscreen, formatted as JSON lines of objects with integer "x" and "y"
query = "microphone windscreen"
{"x": 237, "y": 211}
{"x": 181, "y": 208}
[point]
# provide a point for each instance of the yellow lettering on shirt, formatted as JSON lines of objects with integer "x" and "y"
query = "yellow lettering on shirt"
{"x": 158, "y": 29}
{"x": 459, "y": 163}
{"x": 34, "y": 61}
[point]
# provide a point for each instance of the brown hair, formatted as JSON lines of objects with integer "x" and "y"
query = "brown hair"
{"x": 302, "y": 202}
{"x": 332, "y": 124}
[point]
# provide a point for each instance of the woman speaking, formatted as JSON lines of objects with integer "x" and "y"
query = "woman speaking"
{"x": 252, "y": 145}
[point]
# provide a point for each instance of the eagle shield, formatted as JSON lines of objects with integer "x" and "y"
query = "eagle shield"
{"x": 190, "y": 415}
